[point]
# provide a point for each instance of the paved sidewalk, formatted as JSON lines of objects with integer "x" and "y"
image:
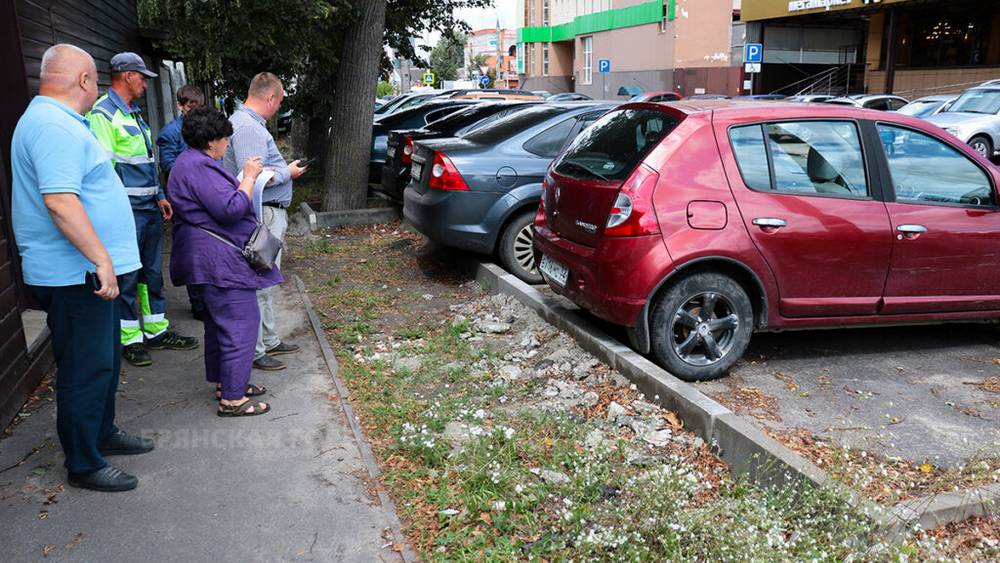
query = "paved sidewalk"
{"x": 289, "y": 485}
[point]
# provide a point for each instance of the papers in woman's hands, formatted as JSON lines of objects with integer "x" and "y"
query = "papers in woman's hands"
{"x": 258, "y": 190}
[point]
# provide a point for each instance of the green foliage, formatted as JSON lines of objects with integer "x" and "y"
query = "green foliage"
{"x": 227, "y": 43}
{"x": 383, "y": 89}
{"x": 448, "y": 54}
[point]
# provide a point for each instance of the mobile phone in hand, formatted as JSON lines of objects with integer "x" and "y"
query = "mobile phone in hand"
{"x": 93, "y": 281}
{"x": 303, "y": 162}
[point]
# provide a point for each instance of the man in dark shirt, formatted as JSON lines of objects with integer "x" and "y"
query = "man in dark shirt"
{"x": 171, "y": 144}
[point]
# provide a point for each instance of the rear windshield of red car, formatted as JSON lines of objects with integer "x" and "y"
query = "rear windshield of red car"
{"x": 614, "y": 145}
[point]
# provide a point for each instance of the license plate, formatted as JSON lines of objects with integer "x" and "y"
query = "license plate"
{"x": 554, "y": 271}
{"x": 391, "y": 152}
{"x": 416, "y": 170}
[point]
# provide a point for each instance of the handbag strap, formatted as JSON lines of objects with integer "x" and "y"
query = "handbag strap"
{"x": 219, "y": 237}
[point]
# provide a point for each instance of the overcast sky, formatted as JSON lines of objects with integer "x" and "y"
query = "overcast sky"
{"x": 481, "y": 18}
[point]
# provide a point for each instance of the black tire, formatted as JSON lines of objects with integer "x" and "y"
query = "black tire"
{"x": 515, "y": 251}
{"x": 982, "y": 145}
{"x": 681, "y": 334}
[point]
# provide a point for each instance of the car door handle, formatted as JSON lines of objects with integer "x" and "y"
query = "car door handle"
{"x": 911, "y": 229}
{"x": 770, "y": 222}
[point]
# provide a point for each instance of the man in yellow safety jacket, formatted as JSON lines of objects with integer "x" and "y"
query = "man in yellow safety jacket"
{"x": 123, "y": 133}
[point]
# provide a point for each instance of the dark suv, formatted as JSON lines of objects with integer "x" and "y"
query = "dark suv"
{"x": 695, "y": 224}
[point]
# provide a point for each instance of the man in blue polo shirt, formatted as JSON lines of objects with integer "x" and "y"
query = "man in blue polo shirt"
{"x": 68, "y": 210}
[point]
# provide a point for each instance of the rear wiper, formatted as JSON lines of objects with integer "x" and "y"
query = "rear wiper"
{"x": 587, "y": 170}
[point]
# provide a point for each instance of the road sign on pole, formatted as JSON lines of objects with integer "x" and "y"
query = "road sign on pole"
{"x": 752, "y": 68}
{"x": 753, "y": 53}
{"x": 484, "y": 80}
{"x": 604, "y": 65}
{"x": 428, "y": 78}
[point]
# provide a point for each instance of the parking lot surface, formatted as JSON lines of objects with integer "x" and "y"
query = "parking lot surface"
{"x": 920, "y": 394}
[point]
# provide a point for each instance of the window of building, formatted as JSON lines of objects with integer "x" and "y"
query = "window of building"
{"x": 545, "y": 59}
{"x": 588, "y": 53}
{"x": 925, "y": 170}
{"x": 531, "y": 13}
{"x": 531, "y": 59}
{"x": 935, "y": 38}
{"x": 545, "y": 12}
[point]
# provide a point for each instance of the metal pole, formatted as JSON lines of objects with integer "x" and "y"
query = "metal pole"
{"x": 890, "y": 55}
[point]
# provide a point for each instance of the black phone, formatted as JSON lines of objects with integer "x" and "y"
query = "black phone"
{"x": 303, "y": 162}
{"x": 93, "y": 281}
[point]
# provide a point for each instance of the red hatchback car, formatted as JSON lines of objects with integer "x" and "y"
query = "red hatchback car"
{"x": 695, "y": 223}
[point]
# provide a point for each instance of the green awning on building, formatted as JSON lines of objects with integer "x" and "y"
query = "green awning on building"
{"x": 640, "y": 14}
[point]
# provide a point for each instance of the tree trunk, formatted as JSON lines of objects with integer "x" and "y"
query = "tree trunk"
{"x": 319, "y": 140}
{"x": 346, "y": 181}
{"x": 299, "y": 136}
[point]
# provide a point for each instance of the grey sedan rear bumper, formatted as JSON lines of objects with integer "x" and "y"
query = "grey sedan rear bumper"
{"x": 452, "y": 218}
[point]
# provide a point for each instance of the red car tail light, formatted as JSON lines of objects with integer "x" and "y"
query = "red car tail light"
{"x": 407, "y": 157}
{"x": 632, "y": 213}
{"x": 444, "y": 175}
{"x": 540, "y": 214}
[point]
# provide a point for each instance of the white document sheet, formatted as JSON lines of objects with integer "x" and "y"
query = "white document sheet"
{"x": 258, "y": 190}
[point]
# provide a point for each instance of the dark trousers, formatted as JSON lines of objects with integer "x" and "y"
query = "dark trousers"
{"x": 87, "y": 350}
{"x": 232, "y": 320}
{"x": 194, "y": 298}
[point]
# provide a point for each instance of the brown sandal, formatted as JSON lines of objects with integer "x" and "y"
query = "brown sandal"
{"x": 246, "y": 408}
{"x": 252, "y": 391}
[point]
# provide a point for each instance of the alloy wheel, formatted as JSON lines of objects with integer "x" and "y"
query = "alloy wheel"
{"x": 523, "y": 250}
{"x": 703, "y": 329}
{"x": 981, "y": 147}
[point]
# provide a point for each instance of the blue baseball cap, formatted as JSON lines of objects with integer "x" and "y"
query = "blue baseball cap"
{"x": 126, "y": 62}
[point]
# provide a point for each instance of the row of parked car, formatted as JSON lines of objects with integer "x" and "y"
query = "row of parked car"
{"x": 695, "y": 223}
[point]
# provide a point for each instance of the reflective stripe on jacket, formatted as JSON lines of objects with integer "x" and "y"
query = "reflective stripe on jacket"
{"x": 125, "y": 136}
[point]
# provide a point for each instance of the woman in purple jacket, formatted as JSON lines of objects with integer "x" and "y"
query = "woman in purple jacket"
{"x": 206, "y": 197}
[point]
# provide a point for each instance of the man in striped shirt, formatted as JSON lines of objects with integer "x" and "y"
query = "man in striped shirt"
{"x": 251, "y": 138}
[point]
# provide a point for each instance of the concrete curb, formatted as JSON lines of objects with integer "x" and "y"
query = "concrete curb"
{"x": 743, "y": 447}
{"x": 359, "y": 436}
{"x": 332, "y": 219}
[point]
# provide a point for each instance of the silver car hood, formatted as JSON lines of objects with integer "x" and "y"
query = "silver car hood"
{"x": 962, "y": 119}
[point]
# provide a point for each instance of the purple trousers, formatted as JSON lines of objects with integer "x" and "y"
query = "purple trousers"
{"x": 232, "y": 320}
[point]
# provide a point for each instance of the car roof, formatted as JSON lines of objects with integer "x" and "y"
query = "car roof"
{"x": 755, "y": 111}
{"x": 936, "y": 98}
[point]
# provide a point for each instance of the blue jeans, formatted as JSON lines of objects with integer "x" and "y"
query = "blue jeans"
{"x": 87, "y": 349}
{"x": 142, "y": 291}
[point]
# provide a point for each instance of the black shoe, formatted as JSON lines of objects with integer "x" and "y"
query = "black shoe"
{"x": 173, "y": 341}
{"x": 267, "y": 363}
{"x": 136, "y": 355}
{"x": 283, "y": 348}
{"x": 121, "y": 443}
{"x": 109, "y": 480}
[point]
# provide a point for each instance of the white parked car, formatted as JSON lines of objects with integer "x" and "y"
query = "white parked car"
{"x": 928, "y": 106}
{"x": 883, "y": 102}
{"x": 974, "y": 117}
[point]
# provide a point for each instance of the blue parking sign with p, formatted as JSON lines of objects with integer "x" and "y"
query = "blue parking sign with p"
{"x": 753, "y": 53}
{"x": 604, "y": 65}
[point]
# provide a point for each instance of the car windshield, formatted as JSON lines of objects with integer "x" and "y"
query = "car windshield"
{"x": 920, "y": 108}
{"x": 459, "y": 118}
{"x": 506, "y": 128}
{"x": 391, "y": 105}
{"x": 978, "y": 101}
{"x": 613, "y": 146}
{"x": 414, "y": 101}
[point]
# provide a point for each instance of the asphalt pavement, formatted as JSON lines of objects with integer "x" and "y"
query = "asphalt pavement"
{"x": 913, "y": 393}
{"x": 288, "y": 485}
